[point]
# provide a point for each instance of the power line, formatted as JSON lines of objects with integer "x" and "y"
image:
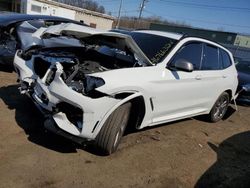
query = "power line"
{"x": 107, "y": 1}
{"x": 124, "y": 11}
{"x": 197, "y": 5}
{"x": 198, "y": 20}
{"x": 206, "y": 6}
{"x": 112, "y": 1}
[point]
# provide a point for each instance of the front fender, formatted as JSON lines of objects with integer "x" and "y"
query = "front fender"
{"x": 117, "y": 105}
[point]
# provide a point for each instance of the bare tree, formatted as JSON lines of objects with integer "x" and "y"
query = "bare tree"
{"x": 132, "y": 22}
{"x": 86, "y": 4}
{"x": 101, "y": 9}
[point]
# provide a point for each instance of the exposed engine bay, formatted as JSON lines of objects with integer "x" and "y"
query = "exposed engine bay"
{"x": 78, "y": 62}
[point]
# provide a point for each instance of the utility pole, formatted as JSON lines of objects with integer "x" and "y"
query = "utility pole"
{"x": 141, "y": 9}
{"x": 119, "y": 16}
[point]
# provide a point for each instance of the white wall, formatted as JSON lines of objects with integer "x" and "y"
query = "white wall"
{"x": 101, "y": 23}
{"x": 243, "y": 41}
{"x": 46, "y": 9}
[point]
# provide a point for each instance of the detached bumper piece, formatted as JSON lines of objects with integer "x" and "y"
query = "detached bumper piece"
{"x": 51, "y": 125}
{"x": 73, "y": 114}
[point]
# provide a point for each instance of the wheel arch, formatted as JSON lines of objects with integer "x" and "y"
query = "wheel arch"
{"x": 230, "y": 93}
{"x": 138, "y": 109}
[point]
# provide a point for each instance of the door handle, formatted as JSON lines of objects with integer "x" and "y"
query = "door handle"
{"x": 198, "y": 77}
{"x": 224, "y": 76}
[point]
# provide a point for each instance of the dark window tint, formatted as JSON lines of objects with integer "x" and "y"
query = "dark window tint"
{"x": 36, "y": 23}
{"x": 225, "y": 59}
{"x": 153, "y": 46}
{"x": 210, "y": 58}
{"x": 190, "y": 52}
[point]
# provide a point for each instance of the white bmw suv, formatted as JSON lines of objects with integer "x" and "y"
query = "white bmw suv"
{"x": 109, "y": 81}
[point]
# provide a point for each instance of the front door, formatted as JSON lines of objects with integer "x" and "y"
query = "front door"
{"x": 180, "y": 94}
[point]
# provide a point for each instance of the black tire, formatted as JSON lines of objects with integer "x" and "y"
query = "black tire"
{"x": 220, "y": 108}
{"x": 110, "y": 135}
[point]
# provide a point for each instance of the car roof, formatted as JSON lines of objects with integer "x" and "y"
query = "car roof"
{"x": 175, "y": 36}
{"x": 122, "y": 31}
{"x": 11, "y": 18}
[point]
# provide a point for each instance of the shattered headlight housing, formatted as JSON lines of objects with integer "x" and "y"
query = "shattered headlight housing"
{"x": 91, "y": 82}
{"x": 51, "y": 75}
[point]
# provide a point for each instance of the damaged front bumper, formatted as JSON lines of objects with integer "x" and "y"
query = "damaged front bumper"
{"x": 24, "y": 70}
{"x": 93, "y": 110}
{"x": 51, "y": 125}
{"x": 60, "y": 103}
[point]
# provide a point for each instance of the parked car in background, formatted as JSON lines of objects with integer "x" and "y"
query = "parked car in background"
{"x": 243, "y": 68}
{"x": 16, "y": 30}
{"x": 144, "y": 78}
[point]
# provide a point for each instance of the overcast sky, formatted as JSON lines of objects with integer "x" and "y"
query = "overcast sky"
{"x": 227, "y": 15}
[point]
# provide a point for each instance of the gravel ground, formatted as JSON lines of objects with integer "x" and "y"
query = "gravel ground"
{"x": 188, "y": 153}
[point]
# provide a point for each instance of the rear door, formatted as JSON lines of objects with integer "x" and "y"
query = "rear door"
{"x": 211, "y": 74}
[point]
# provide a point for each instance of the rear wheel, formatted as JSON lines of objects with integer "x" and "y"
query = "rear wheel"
{"x": 110, "y": 135}
{"x": 220, "y": 108}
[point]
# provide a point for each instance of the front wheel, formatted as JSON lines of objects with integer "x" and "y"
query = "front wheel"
{"x": 220, "y": 108}
{"x": 110, "y": 135}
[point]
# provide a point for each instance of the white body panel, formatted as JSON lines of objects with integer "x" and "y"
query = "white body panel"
{"x": 46, "y": 9}
{"x": 168, "y": 95}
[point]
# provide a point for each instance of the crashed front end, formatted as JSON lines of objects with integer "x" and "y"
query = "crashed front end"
{"x": 62, "y": 83}
{"x": 72, "y": 108}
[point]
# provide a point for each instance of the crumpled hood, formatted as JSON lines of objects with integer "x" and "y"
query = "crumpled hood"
{"x": 31, "y": 36}
{"x": 69, "y": 29}
{"x": 24, "y": 32}
{"x": 83, "y": 32}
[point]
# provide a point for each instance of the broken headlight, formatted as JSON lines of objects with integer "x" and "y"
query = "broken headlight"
{"x": 87, "y": 85}
{"x": 91, "y": 82}
{"x": 51, "y": 76}
{"x": 40, "y": 66}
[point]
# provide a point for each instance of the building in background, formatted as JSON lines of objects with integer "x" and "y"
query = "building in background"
{"x": 95, "y": 19}
{"x": 48, "y": 7}
{"x": 243, "y": 41}
{"x": 10, "y": 5}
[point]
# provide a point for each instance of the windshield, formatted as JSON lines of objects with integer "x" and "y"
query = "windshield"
{"x": 155, "y": 47}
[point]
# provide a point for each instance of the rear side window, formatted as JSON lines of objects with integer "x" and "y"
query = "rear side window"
{"x": 190, "y": 52}
{"x": 210, "y": 58}
{"x": 225, "y": 59}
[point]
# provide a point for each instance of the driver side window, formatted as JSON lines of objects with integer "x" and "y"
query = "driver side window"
{"x": 191, "y": 52}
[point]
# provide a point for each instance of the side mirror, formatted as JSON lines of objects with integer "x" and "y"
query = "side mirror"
{"x": 184, "y": 65}
{"x": 246, "y": 87}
